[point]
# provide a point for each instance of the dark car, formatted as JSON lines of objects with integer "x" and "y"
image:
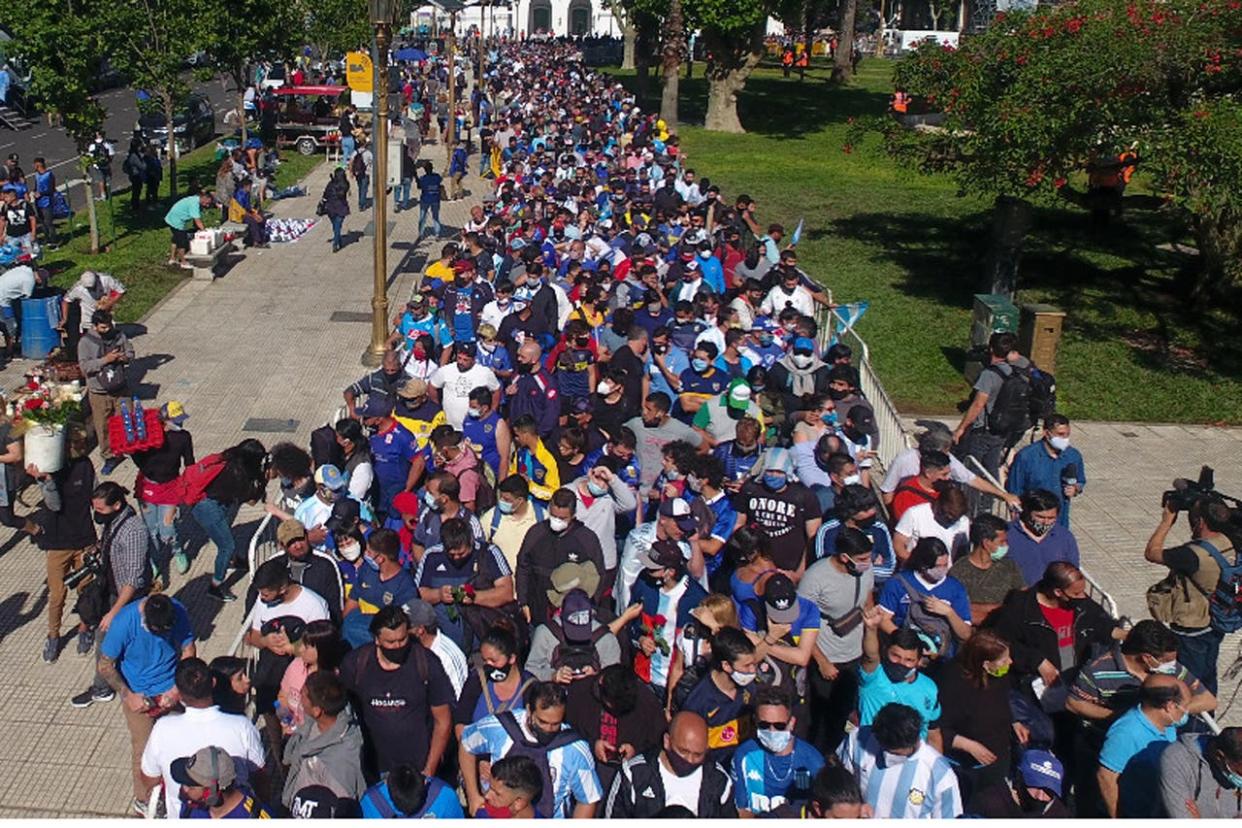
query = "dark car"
{"x": 195, "y": 124}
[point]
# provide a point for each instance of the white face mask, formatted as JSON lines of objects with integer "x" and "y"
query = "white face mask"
{"x": 802, "y": 360}
{"x": 1059, "y": 443}
{"x": 742, "y": 679}
{"x": 604, "y": 388}
{"x": 350, "y": 552}
{"x": 893, "y": 759}
{"x": 852, "y": 480}
{"x": 558, "y": 525}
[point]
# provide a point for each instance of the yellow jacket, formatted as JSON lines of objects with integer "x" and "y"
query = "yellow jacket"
{"x": 539, "y": 468}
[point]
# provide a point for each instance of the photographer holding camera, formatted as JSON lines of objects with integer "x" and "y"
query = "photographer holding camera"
{"x": 104, "y": 353}
{"x": 121, "y": 568}
{"x": 1201, "y": 598}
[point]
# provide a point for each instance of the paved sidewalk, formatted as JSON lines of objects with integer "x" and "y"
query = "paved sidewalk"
{"x": 264, "y": 342}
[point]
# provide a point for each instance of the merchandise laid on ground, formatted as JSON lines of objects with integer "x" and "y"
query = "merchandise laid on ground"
{"x": 619, "y": 521}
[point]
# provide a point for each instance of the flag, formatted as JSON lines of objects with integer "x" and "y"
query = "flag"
{"x": 849, "y": 314}
{"x": 797, "y": 234}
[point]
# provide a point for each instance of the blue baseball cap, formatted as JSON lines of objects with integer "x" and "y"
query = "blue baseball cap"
{"x": 330, "y": 477}
{"x": 804, "y": 343}
{"x": 1040, "y": 769}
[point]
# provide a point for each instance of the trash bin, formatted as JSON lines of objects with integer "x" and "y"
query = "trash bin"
{"x": 993, "y": 313}
{"x": 1039, "y": 335}
{"x": 39, "y": 320}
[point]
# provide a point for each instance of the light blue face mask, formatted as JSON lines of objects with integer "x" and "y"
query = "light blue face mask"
{"x": 505, "y": 507}
{"x": 829, "y": 417}
{"x": 431, "y": 501}
{"x": 699, "y": 365}
{"x": 774, "y": 482}
{"x": 596, "y": 489}
{"x": 1232, "y": 778}
{"x": 775, "y": 741}
{"x": 1182, "y": 721}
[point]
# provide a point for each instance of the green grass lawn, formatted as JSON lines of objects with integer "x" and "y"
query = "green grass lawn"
{"x": 916, "y": 249}
{"x": 139, "y": 249}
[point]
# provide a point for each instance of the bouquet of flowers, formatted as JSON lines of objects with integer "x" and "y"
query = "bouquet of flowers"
{"x": 653, "y": 628}
{"x": 462, "y": 595}
{"x": 49, "y": 405}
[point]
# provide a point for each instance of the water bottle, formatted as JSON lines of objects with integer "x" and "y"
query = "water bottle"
{"x": 140, "y": 421}
{"x": 127, "y": 423}
{"x": 284, "y": 714}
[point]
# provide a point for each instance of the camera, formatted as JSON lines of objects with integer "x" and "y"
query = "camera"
{"x": 1185, "y": 493}
{"x": 92, "y": 565}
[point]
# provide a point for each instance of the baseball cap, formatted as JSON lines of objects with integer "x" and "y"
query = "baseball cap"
{"x": 412, "y": 389}
{"x": 583, "y": 405}
{"x": 737, "y": 395}
{"x": 174, "y": 412}
{"x": 1040, "y": 769}
{"x": 664, "y": 554}
{"x": 292, "y": 626}
{"x": 804, "y": 343}
{"x": 570, "y": 576}
{"x": 780, "y": 598}
{"x": 377, "y": 405}
{"x": 679, "y": 510}
{"x": 462, "y": 265}
{"x": 420, "y": 613}
{"x": 467, "y": 348}
{"x": 778, "y": 459}
{"x": 320, "y": 802}
{"x": 405, "y": 503}
{"x": 210, "y": 767}
{"x": 418, "y": 300}
{"x": 330, "y": 477}
{"x": 862, "y": 417}
{"x": 290, "y": 530}
{"x": 576, "y": 616}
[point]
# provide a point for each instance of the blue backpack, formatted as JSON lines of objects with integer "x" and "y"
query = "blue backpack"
{"x": 1226, "y": 601}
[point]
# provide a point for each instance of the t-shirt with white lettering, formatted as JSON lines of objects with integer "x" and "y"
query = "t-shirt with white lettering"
{"x": 919, "y": 521}
{"x": 455, "y": 388}
{"x": 307, "y": 605}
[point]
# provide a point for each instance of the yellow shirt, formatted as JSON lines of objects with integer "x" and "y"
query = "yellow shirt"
{"x": 439, "y": 270}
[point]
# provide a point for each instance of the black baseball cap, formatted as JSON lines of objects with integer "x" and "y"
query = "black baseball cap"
{"x": 780, "y": 598}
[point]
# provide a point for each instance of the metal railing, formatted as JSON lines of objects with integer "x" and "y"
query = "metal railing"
{"x": 263, "y": 546}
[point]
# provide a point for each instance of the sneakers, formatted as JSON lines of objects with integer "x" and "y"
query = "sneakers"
{"x": 139, "y": 807}
{"x": 51, "y": 650}
{"x": 86, "y": 642}
{"x": 110, "y": 465}
{"x": 91, "y": 695}
{"x": 221, "y": 593}
{"x": 181, "y": 562}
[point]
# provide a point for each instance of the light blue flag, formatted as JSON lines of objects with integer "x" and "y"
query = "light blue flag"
{"x": 849, "y": 314}
{"x": 797, "y": 234}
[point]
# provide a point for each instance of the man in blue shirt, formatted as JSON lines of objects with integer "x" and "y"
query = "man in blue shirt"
{"x": 942, "y": 617}
{"x": 895, "y": 677}
{"x": 857, "y": 508}
{"x": 665, "y": 362}
{"x": 138, "y": 659}
{"x": 381, "y": 582}
{"x": 1051, "y": 464}
{"x": 1129, "y": 774}
{"x": 776, "y": 767}
{"x": 393, "y": 448}
{"x": 406, "y": 794}
{"x": 1037, "y": 538}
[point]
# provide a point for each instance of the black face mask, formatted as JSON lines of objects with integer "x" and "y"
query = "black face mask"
{"x": 499, "y": 674}
{"x": 459, "y": 563}
{"x": 865, "y": 523}
{"x": 397, "y": 655}
{"x": 392, "y": 376}
{"x": 525, "y": 367}
{"x": 543, "y": 737}
{"x": 680, "y": 765}
{"x": 837, "y": 394}
{"x": 104, "y": 520}
{"x": 111, "y": 333}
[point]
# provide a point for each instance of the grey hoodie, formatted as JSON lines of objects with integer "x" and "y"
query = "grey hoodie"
{"x": 1186, "y": 776}
{"x": 332, "y": 759}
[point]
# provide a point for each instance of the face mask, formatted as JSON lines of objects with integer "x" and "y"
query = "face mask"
{"x": 397, "y": 655}
{"x": 275, "y": 602}
{"x": 699, "y": 365}
{"x": 775, "y": 741}
{"x": 543, "y": 737}
{"x": 852, "y": 480}
{"x": 742, "y": 679}
{"x": 680, "y": 767}
{"x": 894, "y": 759}
{"x": 499, "y": 674}
{"x": 495, "y": 812}
{"x": 866, "y": 523}
{"x": 659, "y": 350}
{"x": 936, "y": 574}
{"x": 1038, "y": 529}
{"x": 605, "y": 388}
{"x": 765, "y": 339}
{"x": 705, "y": 254}
{"x": 1182, "y": 721}
{"x": 104, "y": 519}
{"x": 837, "y": 394}
{"x": 802, "y": 360}
{"x": 596, "y": 489}
{"x": 855, "y": 568}
{"x": 558, "y": 525}
{"x": 654, "y": 308}
{"x": 1232, "y": 778}
{"x": 432, "y": 503}
{"x": 1166, "y": 668}
{"x": 350, "y": 552}
{"x": 774, "y": 482}
{"x": 694, "y": 484}
{"x": 896, "y": 673}
{"x": 999, "y": 552}
{"x": 505, "y": 507}
{"x": 997, "y": 672}
{"x": 525, "y": 367}
{"x": 371, "y": 562}
{"x": 474, "y": 413}
{"x": 1059, "y": 443}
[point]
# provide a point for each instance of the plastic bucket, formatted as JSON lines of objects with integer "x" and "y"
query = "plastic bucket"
{"x": 39, "y": 320}
{"x": 44, "y": 447}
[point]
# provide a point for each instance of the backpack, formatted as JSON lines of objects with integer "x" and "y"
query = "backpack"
{"x": 576, "y": 656}
{"x": 1043, "y": 395}
{"x": 1226, "y": 602}
{"x": 485, "y": 494}
{"x": 692, "y": 672}
{"x": 1171, "y": 602}
{"x": 1011, "y": 410}
{"x": 387, "y": 811}
{"x": 358, "y": 165}
{"x": 546, "y": 804}
{"x": 192, "y": 485}
{"x": 933, "y": 629}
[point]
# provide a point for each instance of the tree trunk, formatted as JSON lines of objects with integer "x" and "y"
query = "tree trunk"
{"x": 1220, "y": 245}
{"x": 843, "y": 62}
{"x": 172, "y": 147}
{"x": 725, "y": 81}
{"x": 241, "y": 114}
{"x": 92, "y": 218}
{"x": 674, "y": 48}
{"x": 1011, "y": 222}
{"x": 808, "y": 37}
{"x": 629, "y": 36}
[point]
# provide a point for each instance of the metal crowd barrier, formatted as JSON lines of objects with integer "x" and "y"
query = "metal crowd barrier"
{"x": 263, "y": 546}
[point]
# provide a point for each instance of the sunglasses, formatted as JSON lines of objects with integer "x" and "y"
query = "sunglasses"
{"x": 761, "y": 725}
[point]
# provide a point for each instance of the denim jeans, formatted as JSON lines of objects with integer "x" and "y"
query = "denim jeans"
{"x": 401, "y": 194}
{"x": 162, "y": 527}
{"x": 337, "y": 223}
{"x": 434, "y": 210}
{"x": 1199, "y": 655}
{"x": 217, "y": 521}
{"x": 364, "y": 187}
{"x": 347, "y": 148}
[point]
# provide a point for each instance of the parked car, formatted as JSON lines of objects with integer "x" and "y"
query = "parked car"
{"x": 194, "y": 125}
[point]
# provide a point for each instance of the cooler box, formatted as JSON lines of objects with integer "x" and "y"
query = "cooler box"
{"x": 206, "y": 241}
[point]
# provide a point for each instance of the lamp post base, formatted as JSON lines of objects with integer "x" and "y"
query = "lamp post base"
{"x": 372, "y": 358}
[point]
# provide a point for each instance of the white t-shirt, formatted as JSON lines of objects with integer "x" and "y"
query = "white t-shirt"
{"x": 104, "y": 285}
{"x": 906, "y": 465}
{"x": 15, "y": 284}
{"x": 456, "y": 387}
{"x": 681, "y": 790}
{"x": 919, "y": 521}
{"x": 179, "y": 735}
{"x": 308, "y": 606}
{"x": 493, "y": 315}
{"x": 777, "y": 300}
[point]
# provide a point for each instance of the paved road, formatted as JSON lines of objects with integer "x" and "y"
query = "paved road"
{"x": 121, "y": 105}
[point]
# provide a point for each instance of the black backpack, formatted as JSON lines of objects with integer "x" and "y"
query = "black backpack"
{"x": 545, "y": 805}
{"x": 572, "y": 655}
{"x": 1011, "y": 410}
{"x": 358, "y": 165}
{"x": 1043, "y": 395}
{"x": 691, "y": 674}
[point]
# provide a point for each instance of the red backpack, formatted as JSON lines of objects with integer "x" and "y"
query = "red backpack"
{"x": 193, "y": 482}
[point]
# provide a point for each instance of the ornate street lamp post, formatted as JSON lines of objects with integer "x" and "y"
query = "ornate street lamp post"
{"x": 381, "y": 18}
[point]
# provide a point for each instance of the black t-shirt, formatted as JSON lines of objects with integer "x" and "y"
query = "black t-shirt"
{"x": 395, "y": 705}
{"x": 782, "y": 516}
{"x": 996, "y": 802}
{"x": 610, "y": 416}
{"x": 164, "y": 463}
{"x": 634, "y": 369}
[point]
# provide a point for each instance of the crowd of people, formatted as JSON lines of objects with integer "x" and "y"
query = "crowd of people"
{"x": 606, "y": 535}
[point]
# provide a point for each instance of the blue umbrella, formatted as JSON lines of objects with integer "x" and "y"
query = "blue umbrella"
{"x": 409, "y": 54}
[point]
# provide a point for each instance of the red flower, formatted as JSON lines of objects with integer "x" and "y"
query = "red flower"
{"x": 847, "y": 149}
{"x": 469, "y": 590}
{"x": 33, "y": 403}
{"x": 659, "y": 620}
{"x": 1212, "y": 68}
{"x": 1059, "y": 183}
{"x": 1201, "y": 114}
{"x": 1074, "y": 25}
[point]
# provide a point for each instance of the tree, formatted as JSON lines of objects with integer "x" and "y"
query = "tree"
{"x": 843, "y": 60}
{"x": 63, "y": 49}
{"x": 334, "y": 27}
{"x": 1038, "y": 97}
{"x": 733, "y": 32}
{"x": 243, "y": 31}
{"x": 623, "y": 12}
{"x": 673, "y": 51}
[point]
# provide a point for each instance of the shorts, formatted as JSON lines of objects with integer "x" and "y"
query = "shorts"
{"x": 181, "y": 238}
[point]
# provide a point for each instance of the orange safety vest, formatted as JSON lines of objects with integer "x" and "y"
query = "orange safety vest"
{"x": 787, "y": 58}
{"x": 1128, "y": 162}
{"x": 901, "y": 102}
{"x": 802, "y": 59}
